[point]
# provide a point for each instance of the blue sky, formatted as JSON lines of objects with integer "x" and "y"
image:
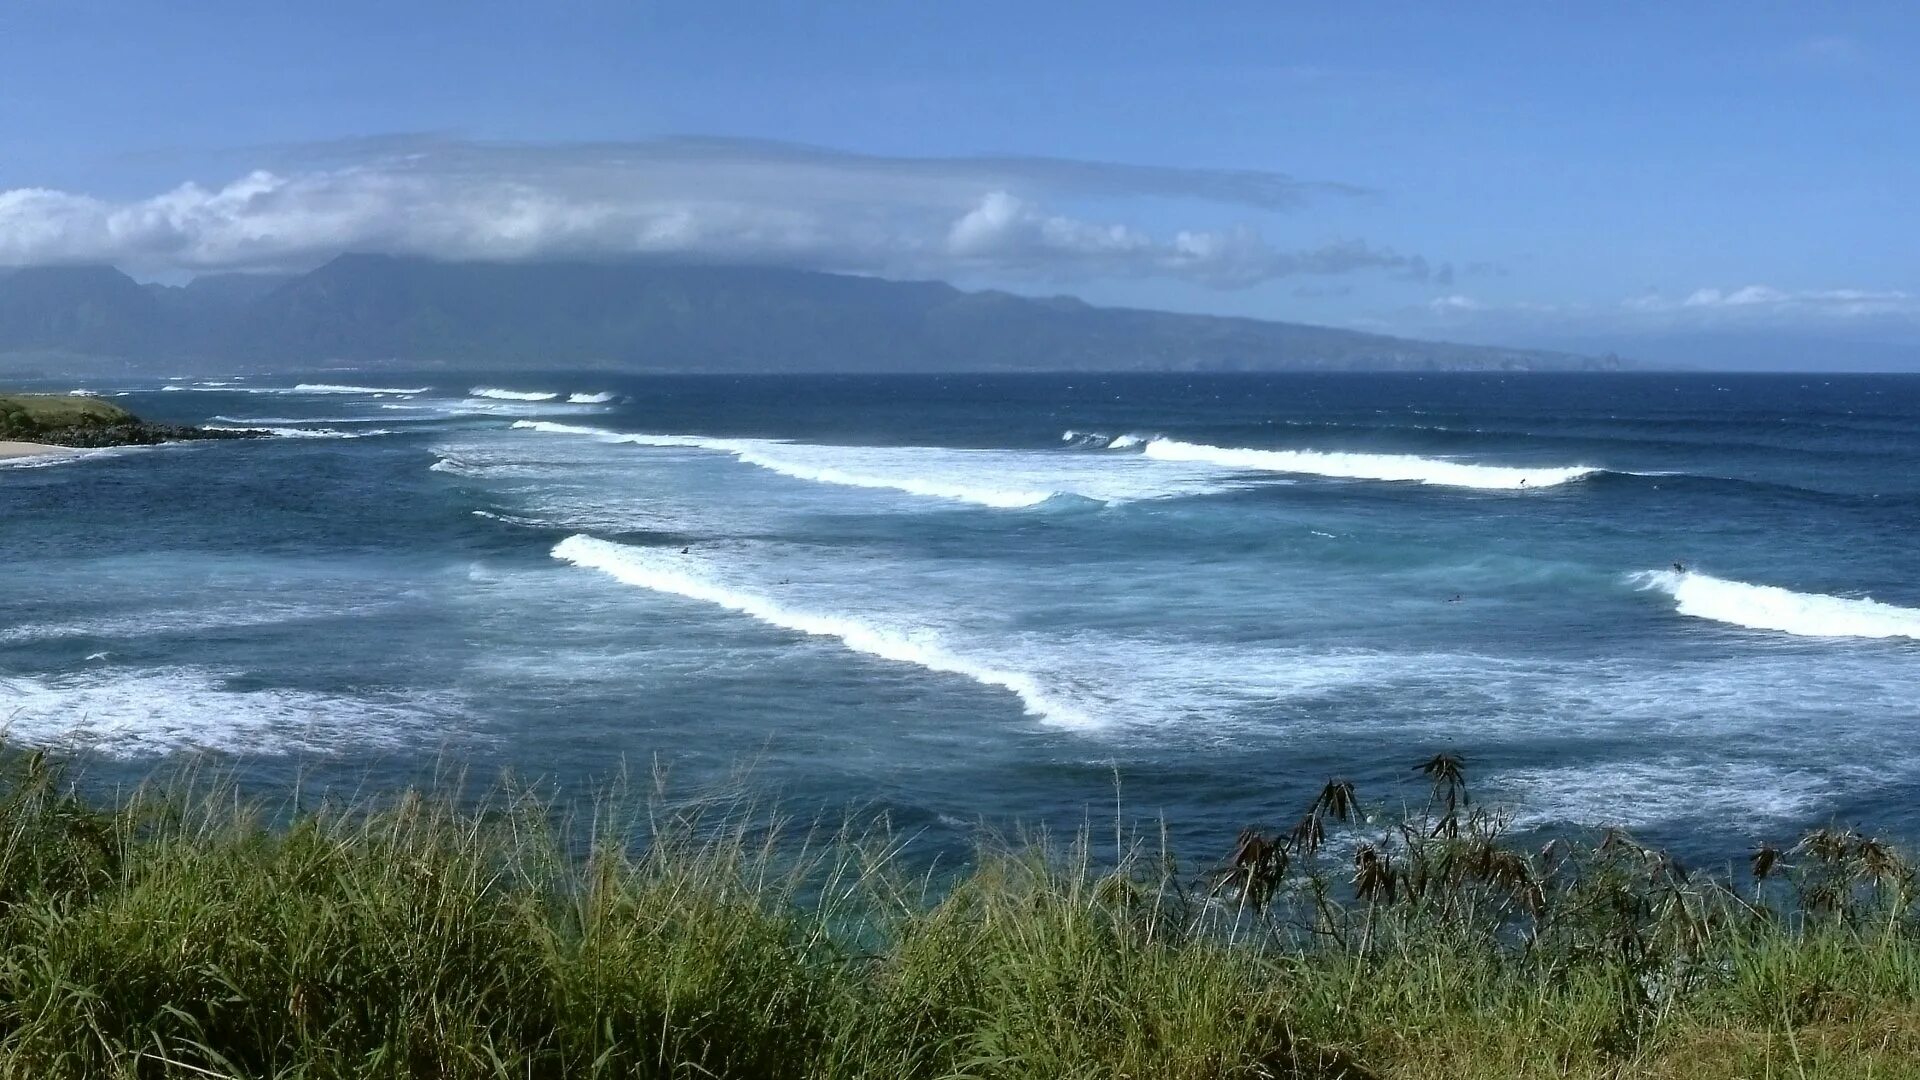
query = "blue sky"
{"x": 1477, "y": 171}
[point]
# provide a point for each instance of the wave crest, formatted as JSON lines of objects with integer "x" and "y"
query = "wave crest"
{"x": 767, "y": 454}
{"x": 498, "y": 394}
{"x": 665, "y": 573}
{"x": 1769, "y": 607}
{"x": 1354, "y": 466}
{"x": 336, "y": 388}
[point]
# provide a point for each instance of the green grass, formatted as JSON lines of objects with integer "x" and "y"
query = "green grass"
{"x": 185, "y": 932}
{"x": 22, "y": 416}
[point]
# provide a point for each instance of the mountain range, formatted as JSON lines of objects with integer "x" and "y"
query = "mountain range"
{"x": 375, "y": 310}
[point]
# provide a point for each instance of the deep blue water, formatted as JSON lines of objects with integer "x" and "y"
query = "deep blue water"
{"x": 993, "y": 598}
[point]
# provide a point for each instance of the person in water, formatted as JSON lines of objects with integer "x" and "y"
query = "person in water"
{"x": 1679, "y": 568}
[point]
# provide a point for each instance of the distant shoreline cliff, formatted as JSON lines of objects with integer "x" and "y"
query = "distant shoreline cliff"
{"x": 380, "y": 311}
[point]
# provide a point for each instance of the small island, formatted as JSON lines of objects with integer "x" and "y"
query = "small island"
{"x": 36, "y": 424}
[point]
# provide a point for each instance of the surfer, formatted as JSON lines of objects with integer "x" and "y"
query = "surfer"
{"x": 683, "y": 551}
{"x": 1679, "y": 568}
{"x": 1456, "y": 598}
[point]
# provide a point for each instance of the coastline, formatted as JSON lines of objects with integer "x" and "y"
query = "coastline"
{"x": 11, "y": 451}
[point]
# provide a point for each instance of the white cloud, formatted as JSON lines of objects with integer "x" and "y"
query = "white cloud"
{"x": 690, "y": 198}
{"x": 1756, "y": 307}
{"x": 1767, "y": 300}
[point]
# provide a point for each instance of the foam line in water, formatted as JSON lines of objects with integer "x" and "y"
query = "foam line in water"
{"x": 140, "y": 714}
{"x": 335, "y": 388}
{"x": 498, "y": 394}
{"x": 768, "y": 454}
{"x": 287, "y": 421}
{"x": 303, "y": 432}
{"x": 679, "y": 576}
{"x": 1769, "y": 607}
{"x": 1350, "y": 466}
{"x": 589, "y": 399}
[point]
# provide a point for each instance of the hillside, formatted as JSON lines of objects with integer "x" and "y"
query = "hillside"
{"x": 67, "y": 420}
{"x": 372, "y": 310}
{"x": 26, "y": 416}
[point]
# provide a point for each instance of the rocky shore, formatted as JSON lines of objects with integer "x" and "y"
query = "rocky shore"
{"x": 136, "y": 433}
{"x": 89, "y": 423}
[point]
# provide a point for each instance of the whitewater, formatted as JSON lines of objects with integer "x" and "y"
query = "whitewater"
{"x": 659, "y": 572}
{"x": 1769, "y": 607}
{"x": 1353, "y": 466}
{"x": 1000, "y": 599}
{"x": 1027, "y": 478}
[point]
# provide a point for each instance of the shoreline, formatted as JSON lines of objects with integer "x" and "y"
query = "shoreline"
{"x": 13, "y": 451}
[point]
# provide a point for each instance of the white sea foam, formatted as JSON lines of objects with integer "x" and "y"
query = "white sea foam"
{"x": 1769, "y": 607}
{"x": 303, "y": 432}
{"x": 1023, "y": 478}
{"x": 498, "y": 394}
{"x": 334, "y": 388}
{"x": 1406, "y": 467}
{"x": 1097, "y": 440}
{"x": 589, "y": 399}
{"x": 287, "y": 421}
{"x": 1640, "y": 794}
{"x": 154, "y": 712}
{"x": 681, "y": 575}
{"x": 70, "y": 456}
{"x": 83, "y": 393}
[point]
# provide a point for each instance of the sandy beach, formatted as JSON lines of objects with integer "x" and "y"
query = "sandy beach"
{"x": 11, "y": 450}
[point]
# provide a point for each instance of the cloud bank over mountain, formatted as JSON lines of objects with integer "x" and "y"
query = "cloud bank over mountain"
{"x": 700, "y": 199}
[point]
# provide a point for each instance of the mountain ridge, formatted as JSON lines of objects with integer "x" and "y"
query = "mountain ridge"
{"x": 379, "y": 310}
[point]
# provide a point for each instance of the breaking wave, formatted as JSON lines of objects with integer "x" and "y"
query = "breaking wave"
{"x": 1769, "y": 607}
{"x": 498, "y": 394}
{"x": 1350, "y": 466}
{"x": 334, "y": 388}
{"x": 661, "y": 572}
{"x": 589, "y": 399}
{"x": 767, "y": 454}
{"x": 285, "y": 421}
{"x": 303, "y": 432}
{"x": 1096, "y": 440}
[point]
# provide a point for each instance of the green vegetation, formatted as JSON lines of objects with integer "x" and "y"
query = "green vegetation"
{"x": 24, "y": 416}
{"x": 185, "y": 933}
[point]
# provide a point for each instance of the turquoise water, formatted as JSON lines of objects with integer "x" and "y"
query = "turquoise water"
{"x": 995, "y": 598}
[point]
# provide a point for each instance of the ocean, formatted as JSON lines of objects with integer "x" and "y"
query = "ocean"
{"x": 1686, "y": 604}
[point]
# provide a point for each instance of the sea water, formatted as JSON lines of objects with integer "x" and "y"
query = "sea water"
{"x": 1684, "y": 604}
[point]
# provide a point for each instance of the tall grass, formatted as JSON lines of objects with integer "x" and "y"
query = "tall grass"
{"x": 184, "y": 932}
